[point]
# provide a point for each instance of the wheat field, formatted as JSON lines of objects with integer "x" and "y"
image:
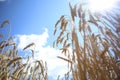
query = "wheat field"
{"x": 90, "y": 55}
{"x": 94, "y": 55}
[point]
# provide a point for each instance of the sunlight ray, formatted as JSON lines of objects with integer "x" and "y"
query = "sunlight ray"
{"x": 101, "y": 5}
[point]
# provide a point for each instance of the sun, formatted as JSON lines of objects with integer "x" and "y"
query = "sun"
{"x": 100, "y": 5}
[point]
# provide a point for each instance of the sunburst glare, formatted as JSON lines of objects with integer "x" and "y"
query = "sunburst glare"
{"x": 101, "y": 5}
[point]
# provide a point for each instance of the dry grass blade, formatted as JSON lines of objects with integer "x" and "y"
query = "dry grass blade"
{"x": 20, "y": 72}
{"x": 81, "y": 27}
{"x": 28, "y": 67}
{"x": 68, "y": 36}
{"x": 65, "y": 48}
{"x": 65, "y": 42}
{"x": 32, "y": 53}
{"x": 12, "y": 43}
{"x": 118, "y": 29}
{"x": 89, "y": 29}
{"x": 55, "y": 31}
{"x": 1, "y": 35}
{"x": 5, "y": 58}
{"x": 61, "y": 40}
{"x": 73, "y": 11}
{"x": 41, "y": 66}
{"x": 36, "y": 68}
{"x": 65, "y": 59}
{"x": 58, "y": 40}
{"x": 80, "y": 11}
{"x": 62, "y": 17}
{"x": 13, "y": 60}
{"x": 54, "y": 44}
{"x": 14, "y": 77}
{"x": 2, "y": 44}
{"x": 63, "y": 25}
{"x": 29, "y": 45}
{"x": 4, "y": 23}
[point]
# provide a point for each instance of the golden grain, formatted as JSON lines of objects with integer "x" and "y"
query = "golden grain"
{"x": 29, "y": 45}
{"x": 4, "y": 23}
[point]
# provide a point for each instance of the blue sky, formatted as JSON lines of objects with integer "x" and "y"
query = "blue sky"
{"x": 32, "y": 16}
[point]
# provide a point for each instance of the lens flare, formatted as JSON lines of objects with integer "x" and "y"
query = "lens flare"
{"x": 100, "y": 5}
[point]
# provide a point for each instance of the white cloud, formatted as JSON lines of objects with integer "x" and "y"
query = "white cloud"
{"x": 45, "y": 52}
{"x": 39, "y": 40}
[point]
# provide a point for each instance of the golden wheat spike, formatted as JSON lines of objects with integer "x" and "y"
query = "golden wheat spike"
{"x": 64, "y": 59}
{"x": 13, "y": 60}
{"x": 73, "y": 11}
{"x": 29, "y": 45}
{"x": 4, "y": 23}
{"x": 62, "y": 17}
{"x": 1, "y": 35}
